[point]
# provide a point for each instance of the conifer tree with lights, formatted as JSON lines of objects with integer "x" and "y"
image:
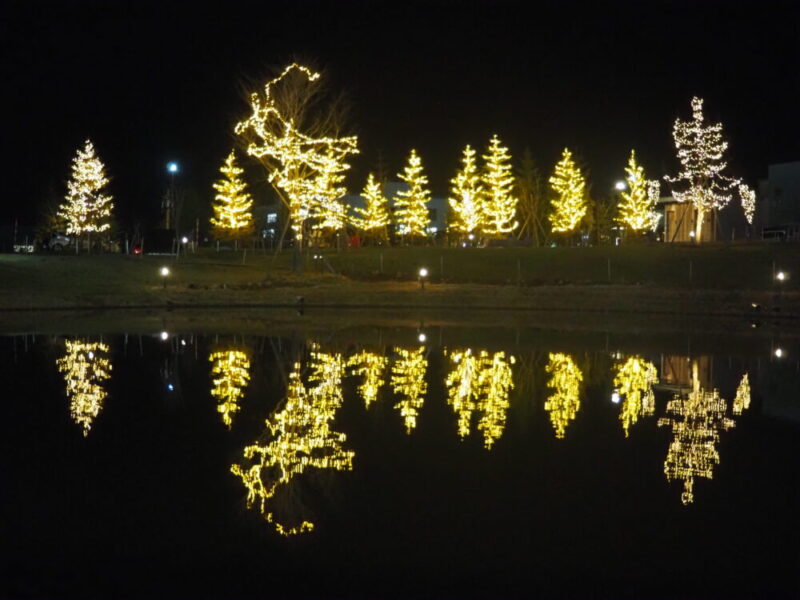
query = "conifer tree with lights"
{"x": 569, "y": 204}
{"x": 637, "y": 208}
{"x": 86, "y": 208}
{"x": 467, "y": 200}
{"x": 411, "y": 205}
{"x": 701, "y": 152}
{"x": 327, "y": 211}
{"x": 232, "y": 205}
{"x": 500, "y": 204}
{"x": 373, "y": 219}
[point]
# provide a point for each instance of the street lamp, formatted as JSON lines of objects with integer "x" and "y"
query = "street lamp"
{"x": 423, "y": 273}
{"x": 164, "y": 271}
{"x": 619, "y": 186}
{"x": 422, "y": 338}
{"x": 169, "y": 202}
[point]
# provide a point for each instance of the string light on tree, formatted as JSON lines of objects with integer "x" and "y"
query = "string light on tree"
{"x": 411, "y": 205}
{"x": 565, "y": 402}
{"x": 372, "y": 367}
{"x": 637, "y": 209}
{"x": 85, "y": 366}
{"x": 232, "y": 205}
{"x": 748, "y": 198}
{"x": 230, "y": 373}
{"x": 373, "y": 219}
{"x": 569, "y": 206}
{"x": 408, "y": 381}
{"x": 467, "y": 196}
{"x": 500, "y": 204}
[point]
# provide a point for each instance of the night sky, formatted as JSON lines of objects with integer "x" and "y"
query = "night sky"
{"x": 149, "y": 83}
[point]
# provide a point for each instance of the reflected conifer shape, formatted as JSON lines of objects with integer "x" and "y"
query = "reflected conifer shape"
{"x": 634, "y": 381}
{"x": 463, "y": 387}
{"x": 495, "y": 383}
{"x": 299, "y": 437}
{"x": 742, "y": 400}
{"x": 696, "y": 421}
{"x": 372, "y": 367}
{"x": 230, "y": 372}
{"x": 408, "y": 380}
{"x": 85, "y": 368}
{"x": 565, "y": 402}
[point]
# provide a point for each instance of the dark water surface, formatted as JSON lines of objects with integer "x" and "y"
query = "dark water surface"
{"x": 380, "y": 465}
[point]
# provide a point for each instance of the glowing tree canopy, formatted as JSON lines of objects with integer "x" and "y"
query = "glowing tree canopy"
{"x": 569, "y": 206}
{"x": 701, "y": 152}
{"x": 86, "y": 209}
{"x": 634, "y": 383}
{"x": 462, "y": 384}
{"x": 467, "y": 200}
{"x": 300, "y": 438}
{"x": 85, "y": 366}
{"x": 327, "y": 208}
{"x": 302, "y": 166}
{"x": 373, "y": 219}
{"x": 748, "y": 198}
{"x": 500, "y": 205}
{"x": 230, "y": 373}
{"x": 495, "y": 383}
{"x": 411, "y": 206}
{"x": 372, "y": 366}
{"x": 565, "y": 402}
{"x": 637, "y": 211}
{"x": 408, "y": 381}
{"x": 232, "y": 205}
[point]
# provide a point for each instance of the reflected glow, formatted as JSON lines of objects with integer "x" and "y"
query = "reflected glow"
{"x": 408, "y": 380}
{"x": 372, "y": 366}
{"x": 230, "y": 372}
{"x": 495, "y": 382}
{"x": 299, "y": 437}
{"x": 742, "y": 400}
{"x": 634, "y": 382}
{"x": 85, "y": 368}
{"x": 565, "y": 402}
{"x": 462, "y": 388}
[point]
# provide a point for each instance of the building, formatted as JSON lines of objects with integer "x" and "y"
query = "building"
{"x": 724, "y": 225}
{"x": 778, "y": 203}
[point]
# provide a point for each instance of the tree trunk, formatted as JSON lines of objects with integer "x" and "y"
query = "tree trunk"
{"x": 698, "y": 226}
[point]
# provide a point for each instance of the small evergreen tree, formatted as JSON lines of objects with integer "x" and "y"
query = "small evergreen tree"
{"x": 569, "y": 206}
{"x": 411, "y": 206}
{"x": 500, "y": 203}
{"x": 467, "y": 201}
{"x": 374, "y": 217}
{"x": 232, "y": 205}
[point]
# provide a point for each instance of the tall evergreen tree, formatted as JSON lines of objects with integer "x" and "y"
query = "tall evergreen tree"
{"x": 411, "y": 206}
{"x": 467, "y": 196}
{"x": 569, "y": 205}
{"x": 500, "y": 203}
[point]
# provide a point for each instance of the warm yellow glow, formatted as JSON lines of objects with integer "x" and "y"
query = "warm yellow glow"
{"x": 304, "y": 169}
{"x": 742, "y": 400}
{"x": 230, "y": 374}
{"x": 462, "y": 383}
{"x": 373, "y": 367}
{"x": 373, "y": 219}
{"x": 500, "y": 205}
{"x": 86, "y": 209}
{"x": 637, "y": 211}
{"x": 411, "y": 206}
{"x": 408, "y": 381}
{"x": 748, "y": 198}
{"x": 569, "y": 206}
{"x": 232, "y": 205}
{"x": 467, "y": 200}
{"x": 300, "y": 437}
{"x": 565, "y": 402}
{"x": 634, "y": 383}
{"x": 495, "y": 383}
{"x": 85, "y": 367}
{"x": 696, "y": 421}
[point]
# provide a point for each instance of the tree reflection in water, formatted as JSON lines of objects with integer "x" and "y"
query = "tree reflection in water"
{"x": 565, "y": 402}
{"x": 85, "y": 367}
{"x": 230, "y": 372}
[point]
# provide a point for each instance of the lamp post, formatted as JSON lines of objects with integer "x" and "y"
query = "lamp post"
{"x": 169, "y": 202}
{"x": 423, "y": 274}
{"x": 164, "y": 271}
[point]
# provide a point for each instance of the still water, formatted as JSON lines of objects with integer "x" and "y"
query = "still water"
{"x": 394, "y": 462}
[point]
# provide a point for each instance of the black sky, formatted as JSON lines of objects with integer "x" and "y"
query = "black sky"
{"x": 152, "y": 82}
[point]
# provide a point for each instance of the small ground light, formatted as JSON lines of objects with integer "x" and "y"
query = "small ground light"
{"x": 778, "y": 352}
{"x": 422, "y": 338}
{"x": 780, "y": 276}
{"x": 423, "y": 273}
{"x": 164, "y": 273}
{"x": 164, "y": 335}
{"x": 185, "y": 240}
{"x": 615, "y": 397}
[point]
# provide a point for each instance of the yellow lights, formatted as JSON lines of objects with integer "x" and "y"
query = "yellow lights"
{"x": 500, "y": 205}
{"x": 569, "y": 206}
{"x": 565, "y": 401}
{"x": 300, "y": 437}
{"x": 304, "y": 167}
{"x": 634, "y": 383}
{"x": 637, "y": 209}
{"x": 230, "y": 374}
{"x": 701, "y": 150}
{"x": 374, "y": 218}
{"x": 232, "y": 204}
{"x": 85, "y": 368}
{"x": 742, "y": 400}
{"x": 462, "y": 383}
{"x": 372, "y": 367}
{"x": 466, "y": 200}
{"x": 411, "y": 205}
{"x": 408, "y": 381}
{"x": 748, "y": 198}
{"x": 86, "y": 209}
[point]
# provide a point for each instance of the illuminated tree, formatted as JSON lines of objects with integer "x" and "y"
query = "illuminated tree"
{"x": 411, "y": 206}
{"x": 634, "y": 384}
{"x": 701, "y": 152}
{"x": 86, "y": 209}
{"x": 748, "y": 198}
{"x": 300, "y": 438}
{"x": 500, "y": 204}
{"x": 637, "y": 209}
{"x": 408, "y": 380}
{"x": 373, "y": 219}
{"x": 303, "y": 155}
{"x": 232, "y": 205}
{"x": 565, "y": 402}
{"x": 467, "y": 201}
{"x": 85, "y": 367}
{"x": 569, "y": 206}
{"x": 230, "y": 372}
{"x": 372, "y": 366}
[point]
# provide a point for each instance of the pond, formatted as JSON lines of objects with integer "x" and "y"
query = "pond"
{"x": 399, "y": 461}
